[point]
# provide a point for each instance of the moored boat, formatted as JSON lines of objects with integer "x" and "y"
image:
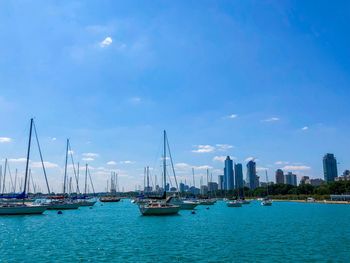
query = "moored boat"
{"x": 109, "y": 199}
{"x": 234, "y": 203}
{"x": 206, "y": 201}
{"x": 161, "y": 206}
{"x": 183, "y": 203}
{"x": 21, "y": 209}
{"x": 266, "y": 202}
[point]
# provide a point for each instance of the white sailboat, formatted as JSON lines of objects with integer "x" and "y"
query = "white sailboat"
{"x": 266, "y": 201}
{"x": 62, "y": 202}
{"x": 22, "y": 208}
{"x": 87, "y": 201}
{"x": 160, "y": 207}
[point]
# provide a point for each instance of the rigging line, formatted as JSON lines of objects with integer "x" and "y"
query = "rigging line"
{"x": 75, "y": 173}
{"x": 41, "y": 158}
{"x": 171, "y": 161}
{"x": 11, "y": 181}
{"x": 92, "y": 185}
{"x": 3, "y": 182}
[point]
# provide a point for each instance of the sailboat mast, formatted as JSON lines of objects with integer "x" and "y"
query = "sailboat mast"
{"x": 28, "y": 155}
{"x": 86, "y": 170}
{"x": 194, "y": 183}
{"x": 164, "y": 162}
{"x": 267, "y": 184}
{"x": 3, "y": 183}
{"x": 65, "y": 169}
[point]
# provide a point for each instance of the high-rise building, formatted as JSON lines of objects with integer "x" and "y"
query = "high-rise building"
{"x": 238, "y": 176}
{"x": 252, "y": 179}
{"x": 279, "y": 176}
{"x": 182, "y": 187}
{"x": 204, "y": 190}
{"x": 221, "y": 182}
{"x": 291, "y": 179}
{"x": 212, "y": 186}
{"x": 330, "y": 169}
{"x": 228, "y": 174}
{"x": 304, "y": 179}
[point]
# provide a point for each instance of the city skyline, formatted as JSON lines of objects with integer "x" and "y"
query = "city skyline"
{"x": 262, "y": 81}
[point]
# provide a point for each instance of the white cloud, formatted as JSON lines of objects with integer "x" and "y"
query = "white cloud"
{"x": 185, "y": 166}
{"x": 272, "y": 119}
{"x": 219, "y": 158}
{"x": 305, "y": 128}
{"x": 106, "y": 42}
{"x": 212, "y": 148}
{"x": 182, "y": 166}
{"x": 17, "y": 160}
{"x": 232, "y": 116}
{"x": 111, "y": 163}
{"x": 203, "y": 167}
{"x": 281, "y": 162}
{"x": 53, "y": 139}
{"x": 91, "y": 155}
{"x": 88, "y": 159}
{"x": 47, "y": 165}
{"x": 223, "y": 147}
{"x": 204, "y": 149}
{"x": 127, "y": 162}
{"x": 5, "y": 140}
{"x": 296, "y": 167}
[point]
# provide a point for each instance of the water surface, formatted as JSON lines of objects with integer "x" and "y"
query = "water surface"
{"x": 116, "y": 232}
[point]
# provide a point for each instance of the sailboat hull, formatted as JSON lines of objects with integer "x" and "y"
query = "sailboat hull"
{"x": 159, "y": 211}
{"x": 207, "y": 202}
{"x": 87, "y": 203}
{"x": 22, "y": 210}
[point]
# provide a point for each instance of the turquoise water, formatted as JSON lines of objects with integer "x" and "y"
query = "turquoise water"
{"x": 115, "y": 232}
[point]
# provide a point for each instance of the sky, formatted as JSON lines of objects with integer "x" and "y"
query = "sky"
{"x": 267, "y": 80}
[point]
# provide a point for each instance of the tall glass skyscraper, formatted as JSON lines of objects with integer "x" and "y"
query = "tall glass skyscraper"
{"x": 251, "y": 175}
{"x": 228, "y": 174}
{"x": 279, "y": 176}
{"x": 238, "y": 176}
{"x": 330, "y": 169}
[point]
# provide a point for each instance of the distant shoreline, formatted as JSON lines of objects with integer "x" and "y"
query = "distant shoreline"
{"x": 316, "y": 201}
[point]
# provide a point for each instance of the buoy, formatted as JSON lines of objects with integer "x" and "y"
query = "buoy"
{"x": 90, "y": 207}
{"x": 207, "y": 208}
{"x": 59, "y": 212}
{"x": 193, "y": 212}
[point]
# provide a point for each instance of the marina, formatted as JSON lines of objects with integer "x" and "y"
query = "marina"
{"x": 117, "y": 232}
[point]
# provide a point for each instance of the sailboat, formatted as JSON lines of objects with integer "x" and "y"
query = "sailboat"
{"x": 62, "y": 202}
{"x": 208, "y": 200}
{"x": 162, "y": 206}
{"x": 22, "y": 208}
{"x": 266, "y": 201}
{"x": 87, "y": 201}
{"x": 112, "y": 197}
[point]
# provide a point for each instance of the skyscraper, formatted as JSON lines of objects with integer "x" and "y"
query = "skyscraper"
{"x": 251, "y": 175}
{"x": 279, "y": 176}
{"x": 291, "y": 179}
{"x": 221, "y": 182}
{"x": 238, "y": 176}
{"x": 330, "y": 169}
{"x": 228, "y": 174}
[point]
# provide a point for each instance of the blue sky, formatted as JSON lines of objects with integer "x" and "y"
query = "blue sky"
{"x": 262, "y": 79}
